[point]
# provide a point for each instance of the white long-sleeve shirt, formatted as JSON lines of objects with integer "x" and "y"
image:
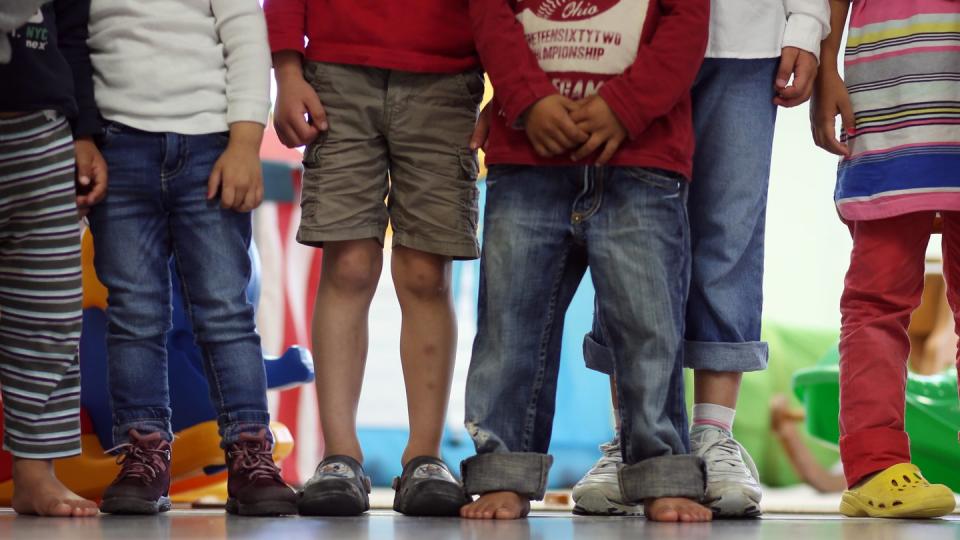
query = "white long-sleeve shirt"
{"x": 761, "y": 28}
{"x": 180, "y": 66}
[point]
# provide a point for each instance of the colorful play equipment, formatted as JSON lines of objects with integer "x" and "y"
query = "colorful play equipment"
{"x": 932, "y": 420}
{"x": 198, "y": 461}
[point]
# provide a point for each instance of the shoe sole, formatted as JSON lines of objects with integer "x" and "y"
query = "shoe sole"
{"x": 596, "y": 504}
{"x": 437, "y": 499}
{"x": 332, "y": 504}
{"x": 851, "y": 507}
{"x": 262, "y": 508}
{"x": 134, "y": 506}
{"x": 735, "y": 504}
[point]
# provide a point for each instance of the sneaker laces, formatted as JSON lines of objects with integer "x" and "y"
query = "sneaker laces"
{"x": 726, "y": 454}
{"x": 140, "y": 462}
{"x": 255, "y": 460}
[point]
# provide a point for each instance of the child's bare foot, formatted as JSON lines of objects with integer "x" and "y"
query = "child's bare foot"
{"x": 36, "y": 491}
{"x": 497, "y": 505}
{"x": 675, "y": 509}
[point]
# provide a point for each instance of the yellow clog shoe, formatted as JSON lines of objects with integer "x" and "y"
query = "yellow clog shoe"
{"x": 898, "y": 492}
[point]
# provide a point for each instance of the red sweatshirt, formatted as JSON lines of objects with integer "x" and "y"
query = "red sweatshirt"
{"x": 431, "y": 36}
{"x": 641, "y": 56}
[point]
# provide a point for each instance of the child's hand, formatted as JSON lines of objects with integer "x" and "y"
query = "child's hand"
{"x": 802, "y": 65}
{"x": 238, "y": 174}
{"x": 597, "y": 118}
{"x": 298, "y": 117}
{"x": 550, "y": 128}
{"x": 91, "y": 174}
{"x": 480, "y": 132}
{"x": 830, "y": 98}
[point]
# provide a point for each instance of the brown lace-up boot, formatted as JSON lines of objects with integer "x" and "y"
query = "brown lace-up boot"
{"x": 143, "y": 485}
{"x": 254, "y": 485}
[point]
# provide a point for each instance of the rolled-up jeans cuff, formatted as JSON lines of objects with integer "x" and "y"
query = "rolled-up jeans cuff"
{"x": 597, "y": 356}
{"x": 719, "y": 356}
{"x": 664, "y": 476}
{"x": 524, "y": 473}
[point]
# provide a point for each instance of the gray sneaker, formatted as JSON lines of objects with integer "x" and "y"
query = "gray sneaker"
{"x": 598, "y": 492}
{"x": 733, "y": 486}
{"x": 339, "y": 487}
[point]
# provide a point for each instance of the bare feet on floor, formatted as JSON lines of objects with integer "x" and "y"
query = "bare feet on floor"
{"x": 36, "y": 491}
{"x": 497, "y": 505}
{"x": 676, "y": 509}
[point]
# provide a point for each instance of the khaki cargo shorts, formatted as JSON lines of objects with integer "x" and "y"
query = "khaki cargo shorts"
{"x": 396, "y": 152}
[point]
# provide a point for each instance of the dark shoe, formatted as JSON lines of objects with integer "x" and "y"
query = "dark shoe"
{"x": 428, "y": 488}
{"x": 254, "y": 485}
{"x": 339, "y": 487}
{"x": 143, "y": 485}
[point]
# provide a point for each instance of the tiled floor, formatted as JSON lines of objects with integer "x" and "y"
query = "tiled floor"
{"x": 385, "y": 525}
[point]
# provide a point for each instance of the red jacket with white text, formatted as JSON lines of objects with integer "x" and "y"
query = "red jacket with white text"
{"x": 640, "y": 56}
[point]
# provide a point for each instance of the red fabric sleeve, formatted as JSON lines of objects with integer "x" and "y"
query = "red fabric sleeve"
{"x": 517, "y": 78}
{"x": 286, "y": 24}
{"x": 666, "y": 66}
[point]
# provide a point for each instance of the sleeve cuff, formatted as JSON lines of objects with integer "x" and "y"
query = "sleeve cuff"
{"x": 248, "y": 111}
{"x": 287, "y": 42}
{"x": 634, "y": 125}
{"x": 521, "y": 101}
{"x": 86, "y": 125}
{"x": 803, "y": 32}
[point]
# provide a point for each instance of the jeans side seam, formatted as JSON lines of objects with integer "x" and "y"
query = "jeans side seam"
{"x": 544, "y": 347}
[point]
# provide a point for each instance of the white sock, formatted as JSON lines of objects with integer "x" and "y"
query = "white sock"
{"x": 710, "y": 414}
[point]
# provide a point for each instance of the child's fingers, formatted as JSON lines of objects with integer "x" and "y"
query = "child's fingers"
{"x": 560, "y": 138}
{"x": 573, "y": 133}
{"x": 788, "y": 61}
{"x": 213, "y": 184}
{"x": 588, "y": 148}
{"x": 828, "y": 139}
{"x": 99, "y": 188}
{"x": 480, "y": 132}
{"x": 239, "y": 196}
{"x": 847, "y": 117}
{"x": 540, "y": 149}
{"x": 249, "y": 201}
{"x": 318, "y": 115}
{"x": 302, "y": 131}
{"x": 608, "y": 151}
{"x": 553, "y": 147}
{"x": 258, "y": 198}
{"x": 228, "y": 196}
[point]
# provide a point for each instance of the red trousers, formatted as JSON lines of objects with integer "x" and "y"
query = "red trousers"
{"x": 882, "y": 288}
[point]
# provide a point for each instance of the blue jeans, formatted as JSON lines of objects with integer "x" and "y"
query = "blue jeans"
{"x": 155, "y": 209}
{"x": 734, "y": 118}
{"x": 543, "y": 227}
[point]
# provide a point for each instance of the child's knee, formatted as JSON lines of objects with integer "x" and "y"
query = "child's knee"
{"x": 421, "y": 276}
{"x": 354, "y": 269}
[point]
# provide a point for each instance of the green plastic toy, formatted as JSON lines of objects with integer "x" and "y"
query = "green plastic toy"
{"x": 932, "y": 421}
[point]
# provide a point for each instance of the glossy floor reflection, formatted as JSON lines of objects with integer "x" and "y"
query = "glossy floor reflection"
{"x": 384, "y": 525}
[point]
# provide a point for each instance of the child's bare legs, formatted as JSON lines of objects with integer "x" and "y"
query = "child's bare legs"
{"x": 717, "y": 387}
{"x": 497, "y": 505}
{"x": 428, "y": 340}
{"x": 37, "y": 491}
{"x": 351, "y": 270}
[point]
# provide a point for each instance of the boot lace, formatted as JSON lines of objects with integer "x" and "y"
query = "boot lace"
{"x": 254, "y": 461}
{"x": 141, "y": 463}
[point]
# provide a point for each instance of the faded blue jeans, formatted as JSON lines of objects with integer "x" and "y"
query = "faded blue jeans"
{"x": 156, "y": 208}
{"x": 734, "y": 119}
{"x": 544, "y": 226}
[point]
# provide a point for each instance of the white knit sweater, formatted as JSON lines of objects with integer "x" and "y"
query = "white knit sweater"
{"x": 761, "y": 28}
{"x": 181, "y": 66}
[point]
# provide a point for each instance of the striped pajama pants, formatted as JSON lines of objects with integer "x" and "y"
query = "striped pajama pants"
{"x": 40, "y": 288}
